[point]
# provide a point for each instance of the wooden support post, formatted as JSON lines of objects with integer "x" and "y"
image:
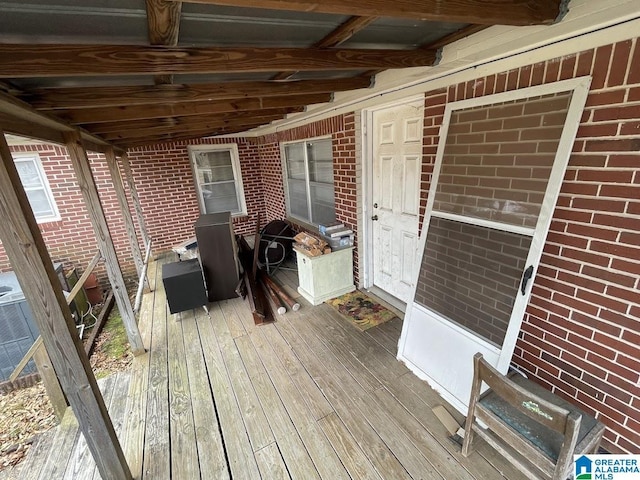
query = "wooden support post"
{"x": 22, "y": 240}
{"x": 89, "y": 191}
{"x": 50, "y": 381}
{"x": 128, "y": 175}
{"x": 116, "y": 179}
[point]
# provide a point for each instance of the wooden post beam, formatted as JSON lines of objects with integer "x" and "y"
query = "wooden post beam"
{"x": 130, "y": 228}
{"x": 128, "y": 175}
{"x": 89, "y": 191}
{"x": 22, "y": 240}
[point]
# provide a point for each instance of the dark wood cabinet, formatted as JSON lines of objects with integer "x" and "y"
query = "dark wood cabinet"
{"x": 218, "y": 255}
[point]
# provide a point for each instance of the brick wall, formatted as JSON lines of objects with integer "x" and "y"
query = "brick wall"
{"x": 581, "y": 331}
{"x": 164, "y": 181}
{"x": 71, "y": 239}
{"x": 342, "y": 131}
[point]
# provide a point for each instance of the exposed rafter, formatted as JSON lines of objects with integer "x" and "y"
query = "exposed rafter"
{"x": 163, "y": 23}
{"x": 211, "y": 127}
{"x": 73, "y": 98}
{"x": 188, "y": 121}
{"x": 173, "y": 137}
{"x": 504, "y": 12}
{"x": 61, "y": 60}
{"x": 95, "y": 116}
{"x": 340, "y": 35}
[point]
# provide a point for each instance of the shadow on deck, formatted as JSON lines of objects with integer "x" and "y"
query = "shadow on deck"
{"x": 306, "y": 397}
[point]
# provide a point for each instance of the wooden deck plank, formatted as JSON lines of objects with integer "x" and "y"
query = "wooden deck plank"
{"x": 313, "y": 396}
{"x": 293, "y": 451}
{"x": 234, "y": 324}
{"x": 331, "y": 376}
{"x": 386, "y": 338}
{"x": 156, "y": 460}
{"x": 324, "y": 457}
{"x": 117, "y": 407}
{"x": 238, "y": 446}
{"x": 36, "y": 455}
{"x": 81, "y": 465}
{"x": 271, "y": 464}
{"x": 387, "y": 371}
{"x": 184, "y": 452}
{"x": 350, "y": 453}
{"x": 210, "y": 448}
{"x": 61, "y": 447}
{"x": 331, "y": 401}
{"x": 254, "y": 418}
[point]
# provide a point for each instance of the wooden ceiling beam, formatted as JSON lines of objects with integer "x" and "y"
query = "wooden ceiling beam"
{"x": 44, "y": 60}
{"x": 19, "y": 118}
{"x": 76, "y": 98}
{"x": 109, "y": 127}
{"x": 163, "y": 24}
{"x": 200, "y": 127}
{"x": 488, "y": 12}
{"x": 173, "y": 137}
{"x": 340, "y": 35}
{"x": 85, "y": 116}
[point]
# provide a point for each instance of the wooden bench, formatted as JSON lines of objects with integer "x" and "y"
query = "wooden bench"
{"x": 539, "y": 432}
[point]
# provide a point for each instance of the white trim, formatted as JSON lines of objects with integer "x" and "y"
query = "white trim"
{"x": 367, "y": 181}
{"x": 35, "y": 156}
{"x": 481, "y": 222}
{"x": 232, "y": 148}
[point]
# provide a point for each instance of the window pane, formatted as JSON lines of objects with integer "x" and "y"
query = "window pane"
{"x": 40, "y": 203}
{"x": 471, "y": 275}
{"x": 219, "y": 158}
{"x": 317, "y": 156}
{"x": 28, "y": 173}
{"x": 298, "y": 199}
{"x": 294, "y": 155}
{"x": 320, "y": 159}
{"x": 215, "y": 174}
{"x": 220, "y": 197}
{"x": 495, "y": 169}
{"x": 322, "y": 203}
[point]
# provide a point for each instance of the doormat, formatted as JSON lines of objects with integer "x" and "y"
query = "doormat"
{"x": 362, "y": 311}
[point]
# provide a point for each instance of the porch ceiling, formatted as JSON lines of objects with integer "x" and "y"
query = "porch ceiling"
{"x": 135, "y": 73}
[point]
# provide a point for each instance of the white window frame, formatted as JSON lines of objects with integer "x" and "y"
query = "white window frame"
{"x": 285, "y": 176}
{"x": 235, "y": 165}
{"x": 42, "y": 176}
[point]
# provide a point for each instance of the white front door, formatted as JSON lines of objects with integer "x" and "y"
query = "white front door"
{"x": 397, "y": 160}
{"x": 499, "y": 167}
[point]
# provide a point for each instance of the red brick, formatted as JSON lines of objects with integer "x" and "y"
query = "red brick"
{"x": 618, "y": 69}
{"x": 615, "y": 249}
{"x": 619, "y": 145}
{"x": 629, "y": 112}
{"x": 597, "y": 130}
{"x": 634, "y": 67}
{"x": 585, "y": 60}
{"x": 598, "y": 205}
{"x": 601, "y": 66}
{"x": 553, "y": 68}
{"x": 621, "y": 161}
{"x": 568, "y": 67}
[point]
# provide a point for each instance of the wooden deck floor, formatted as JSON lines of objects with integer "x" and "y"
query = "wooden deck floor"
{"x": 306, "y": 397}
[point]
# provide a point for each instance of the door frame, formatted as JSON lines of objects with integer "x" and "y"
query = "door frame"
{"x": 580, "y": 88}
{"x": 367, "y": 191}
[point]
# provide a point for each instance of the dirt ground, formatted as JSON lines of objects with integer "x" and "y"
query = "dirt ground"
{"x": 26, "y": 413}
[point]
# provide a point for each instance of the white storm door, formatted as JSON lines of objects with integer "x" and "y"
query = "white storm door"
{"x": 499, "y": 167}
{"x": 397, "y": 160}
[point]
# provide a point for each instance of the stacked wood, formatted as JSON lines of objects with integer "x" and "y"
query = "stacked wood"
{"x": 258, "y": 287}
{"x": 282, "y": 293}
{"x": 310, "y": 244}
{"x": 257, "y": 297}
